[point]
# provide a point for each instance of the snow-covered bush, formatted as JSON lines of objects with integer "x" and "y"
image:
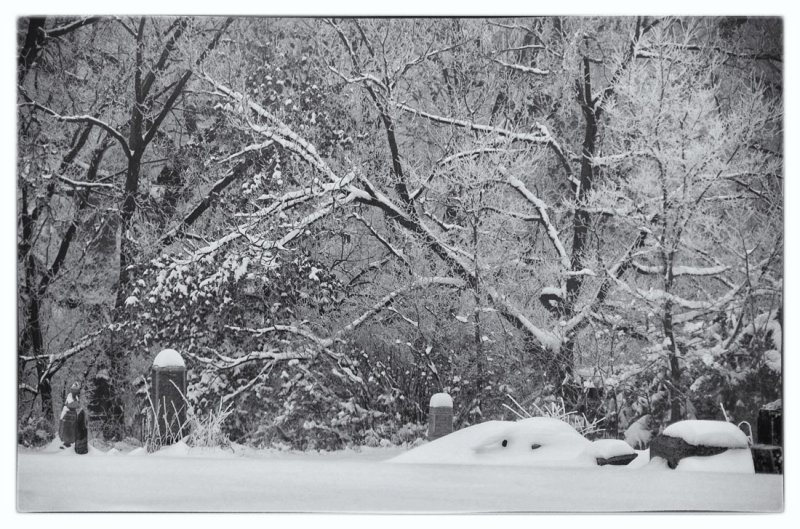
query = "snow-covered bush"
{"x": 34, "y": 432}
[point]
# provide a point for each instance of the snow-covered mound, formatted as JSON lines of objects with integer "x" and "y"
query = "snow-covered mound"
{"x": 638, "y": 434}
{"x": 708, "y": 433}
{"x": 538, "y": 441}
{"x": 169, "y": 358}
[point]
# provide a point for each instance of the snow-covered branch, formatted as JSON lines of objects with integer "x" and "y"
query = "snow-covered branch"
{"x": 391, "y": 296}
{"x": 541, "y": 207}
{"x": 393, "y": 211}
{"x": 529, "y": 138}
{"x": 360, "y": 79}
{"x": 27, "y": 387}
{"x": 513, "y": 214}
{"x": 55, "y": 360}
{"x": 279, "y": 132}
{"x": 611, "y": 159}
{"x": 220, "y": 361}
{"x": 224, "y": 362}
{"x": 399, "y": 72}
{"x": 84, "y": 118}
{"x": 246, "y": 387}
{"x": 395, "y": 251}
{"x": 583, "y": 272}
{"x": 249, "y": 148}
{"x": 758, "y": 56}
{"x": 543, "y": 138}
{"x": 439, "y": 222}
{"x": 293, "y": 198}
{"x": 291, "y": 329}
{"x": 70, "y": 27}
{"x": 547, "y": 339}
{"x": 202, "y": 206}
{"x": 297, "y": 228}
{"x": 521, "y": 68}
{"x": 520, "y": 48}
{"x": 284, "y": 203}
{"x": 614, "y": 273}
{"x": 75, "y": 183}
{"x": 654, "y": 295}
{"x": 473, "y": 153}
{"x": 680, "y": 270}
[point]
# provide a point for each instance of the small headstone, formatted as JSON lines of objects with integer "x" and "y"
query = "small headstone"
{"x": 81, "y": 434}
{"x": 769, "y": 427}
{"x": 440, "y": 416}
{"x": 67, "y": 427}
{"x": 168, "y": 391}
{"x": 768, "y": 453}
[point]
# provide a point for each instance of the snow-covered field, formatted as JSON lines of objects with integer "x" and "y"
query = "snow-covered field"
{"x": 180, "y": 479}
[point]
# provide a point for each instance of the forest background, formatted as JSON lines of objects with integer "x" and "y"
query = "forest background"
{"x": 489, "y": 210}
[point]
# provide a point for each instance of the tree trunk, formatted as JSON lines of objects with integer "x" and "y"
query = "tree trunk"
{"x": 580, "y": 231}
{"x": 34, "y": 38}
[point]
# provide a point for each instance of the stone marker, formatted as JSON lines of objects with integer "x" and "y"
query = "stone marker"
{"x": 81, "y": 434}
{"x": 168, "y": 390}
{"x": 440, "y": 416}
{"x": 768, "y": 453}
{"x": 769, "y": 426}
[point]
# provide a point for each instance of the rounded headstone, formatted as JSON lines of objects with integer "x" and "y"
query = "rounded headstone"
{"x": 168, "y": 391}
{"x": 440, "y": 416}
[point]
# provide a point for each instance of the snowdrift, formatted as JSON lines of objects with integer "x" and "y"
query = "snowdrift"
{"x": 538, "y": 441}
{"x": 736, "y": 457}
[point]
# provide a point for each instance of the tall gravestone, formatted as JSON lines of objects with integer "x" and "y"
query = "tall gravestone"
{"x": 440, "y": 416}
{"x": 768, "y": 452}
{"x": 168, "y": 391}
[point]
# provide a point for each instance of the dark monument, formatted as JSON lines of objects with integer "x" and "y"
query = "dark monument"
{"x": 440, "y": 416}
{"x": 168, "y": 395}
{"x": 81, "y": 434}
{"x": 768, "y": 452}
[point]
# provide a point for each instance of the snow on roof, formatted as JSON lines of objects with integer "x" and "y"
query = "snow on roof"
{"x": 169, "y": 358}
{"x": 708, "y": 433}
{"x": 441, "y": 400}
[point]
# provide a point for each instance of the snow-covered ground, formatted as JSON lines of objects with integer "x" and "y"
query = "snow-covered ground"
{"x": 182, "y": 479}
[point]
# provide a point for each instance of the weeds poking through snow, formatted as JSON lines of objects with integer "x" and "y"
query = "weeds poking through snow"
{"x": 196, "y": 430}
{"x": 558, "y": 410}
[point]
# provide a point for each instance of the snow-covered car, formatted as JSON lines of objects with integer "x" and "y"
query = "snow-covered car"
{"x": 538, "y": 441}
